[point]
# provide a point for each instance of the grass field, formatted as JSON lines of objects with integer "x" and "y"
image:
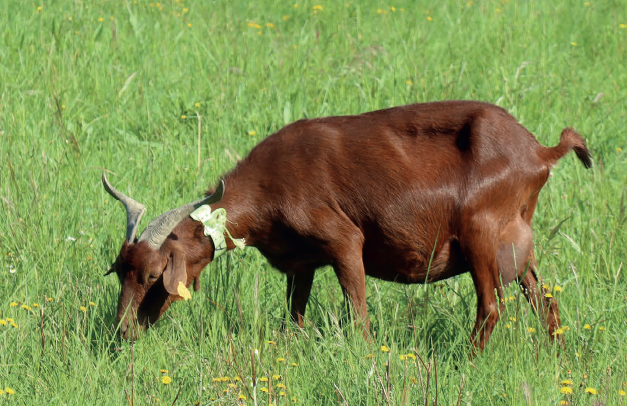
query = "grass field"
{"x": 168, "y": 96}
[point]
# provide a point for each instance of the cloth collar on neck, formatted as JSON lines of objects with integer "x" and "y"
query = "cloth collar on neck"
{"x": 215, "y": 227}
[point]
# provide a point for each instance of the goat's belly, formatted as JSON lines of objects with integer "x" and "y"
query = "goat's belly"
{"x": 410, "y": 267}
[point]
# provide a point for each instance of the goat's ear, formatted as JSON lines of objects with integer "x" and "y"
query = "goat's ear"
{"x": 175, "y": 272}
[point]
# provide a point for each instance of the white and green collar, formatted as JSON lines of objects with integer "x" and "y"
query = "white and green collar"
{"x": 215, "y": 227}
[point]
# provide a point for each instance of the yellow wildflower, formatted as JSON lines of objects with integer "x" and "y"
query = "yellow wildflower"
{"x": 557, "y": 288}
{"x": 567, "y": 382}
{"x": 92, "y": 304}
{"x": 369, "y": 356}
{"x": 558, "y": 331}
{"x": 566, "y": 390}
{"x": 621, "y": 392}
{"x": 236, "y": 379}
{"x": 264, "y": 390}
{"x": 163, "y": 371}
{"x": 602, "y": 328}
{"x": 13, "y": 304}
{"x": 166, "y": 380}
{"x": 183, "y": 117}
{"x": 241, "y": 397}
{"x": 281, "y": 386}
{"x": 254, "y": 25}
{"x": 100, "y": 19}
{"x": 264, "y": 379}
{"x": 545, "y": 286}
{"x": 286, "y": 17}
{"x": 281, "y": 393}
{"x": 410, "y": 355}
{"x": 49, "y": 299}
{"x": 294, "y": 364}
{"x": 586, "y": 327}
{"x": 317, "y": 7}
{"x": 189, "y": 25}
{"x": 1, "y": 392}
{"x": 573, "y": 43}
{"x": 9, "y": 391}
{"x": 409, "y": 82}
{"x": 587, "y": 4}
{"x": 185, "y": 10}
{"x": 270, "y": 25}
{"x": 512, "y": 319}
{"x": 10, "y": 320}
{"x": 384, "y": 349}
{"x": 269, "y": 342}
{"x": 3, "y": 322}
{"x": 276, "y": 377}
{"x": 401, "y": 357}
{"x": 429, "y": 18}
{"x": 623, "y": 25}
{"x": 35, "y": 305}
{"x": 83, "y": 309}
{"x": 531, "y": 330}
{"x": 548, "y": 295}
{"x": 196, "y": 105}
{"x": 591, "y": 391}
{"x": 280, "y": 359}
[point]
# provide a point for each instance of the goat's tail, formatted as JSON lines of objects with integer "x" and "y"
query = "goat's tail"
{"x": 569, "y": 140}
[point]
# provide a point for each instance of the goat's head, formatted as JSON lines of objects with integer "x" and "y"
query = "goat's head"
{"x": 151, "y": 268}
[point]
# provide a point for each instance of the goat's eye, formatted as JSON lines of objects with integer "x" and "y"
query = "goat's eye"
{"x": 153, "y": 277}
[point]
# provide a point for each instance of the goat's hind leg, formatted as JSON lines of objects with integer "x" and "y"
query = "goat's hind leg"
{"x": 516, "y": 262}
{"x": 545, "y": 307}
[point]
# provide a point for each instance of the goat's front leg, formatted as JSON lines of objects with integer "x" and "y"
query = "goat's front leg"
{"x": 351, "y": 275}
{"x": 298, "y": 290}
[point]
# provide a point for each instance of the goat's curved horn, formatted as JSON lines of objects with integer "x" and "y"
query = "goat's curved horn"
{"x": 134, "y": 210}
{"x": 159, "y": 228}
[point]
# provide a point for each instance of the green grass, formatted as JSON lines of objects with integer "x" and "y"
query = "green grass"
{"x": 88, "y": 85}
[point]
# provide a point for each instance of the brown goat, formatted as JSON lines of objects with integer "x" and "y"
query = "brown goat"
{"x": 411, "y": 194}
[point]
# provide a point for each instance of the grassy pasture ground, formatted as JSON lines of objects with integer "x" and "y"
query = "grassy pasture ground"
{"x": 132, "y": 86}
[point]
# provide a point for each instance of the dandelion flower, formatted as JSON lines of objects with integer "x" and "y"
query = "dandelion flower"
{"x": 573, "y": 44}
{"x": 567, "y": 382}
{"x": 9, "y": 391}
{"x": 264, "y": 390}
{"x": 621, "y": 392}
{"x": 252, "y": 133}
{"x": 10, "y": 320}
{"x": 557, "y": 288}
{"x": 92, "y": 304}
{"x": 317, "y": 7}
{"x": 602, "y": 328}
{"x": 183, "y": 117}
{"x": 280, "y": 359}
{"x": 49, "y": 299}
{"x": 189, "y": 25}
{"x": 429, "y": 18}
{"x": 286, "y": 17}
{"x": 269, "y": 342}
{"x": 512, "y": 319}
{"x": 264, "y": 379}
{"x": 409, "y": 82}
{"x": 166, "y": 380}
{"x": 294, "y": 364}
{"x": 281, "y": 386}
{"x": 623, "y": 25}
{"x": 566, "y": 390}
{"x": 196, "y": 105}
{"x": 531, "y": 330}
{"x": 281, "y": 393}
{"x": 13, "y": 304}
{"x": 384, "y": 349}
{"x": 83, "y": 309}
{"x": 276, "y": 377}
{"x": 586, "y": 327}
{"x": 591, "y": 391}
{"x": 3, "y": 322}
{"x": 270, "y": 25}
{"x": 410, "y": 355}
{"x": 401, "y": 357}
{"x": 1, "y": 392}
{"x": 558, "y": 331}
{"x": 241, "y": 397}
{"x": 545, "y": 286}
{"x": 100, "y": 19}
{"x": 163, "y": 371}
